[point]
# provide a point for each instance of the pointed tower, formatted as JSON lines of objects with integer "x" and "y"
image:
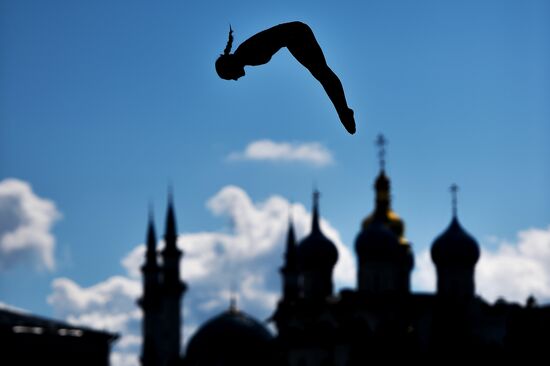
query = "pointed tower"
{"x": 290, "y": 270}
{"x": 455, "y": 254}
{"x": 150, "y": 301}
{"x": 172, "y": 290}
{"x": 317, "y": 256}
{"x": 384, "y": 255}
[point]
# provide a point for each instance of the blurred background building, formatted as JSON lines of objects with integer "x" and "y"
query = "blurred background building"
{"x": 378, "y": 321}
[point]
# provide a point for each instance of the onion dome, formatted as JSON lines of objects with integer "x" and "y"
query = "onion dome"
{"x": 316, "y": 251}
{"x": 376, "y": 242}
{"x": 382, "y": 232}
{"x": 231, "y": 338}
{"x": 455, "y": 247}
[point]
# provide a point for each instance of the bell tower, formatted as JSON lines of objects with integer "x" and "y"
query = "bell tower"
{"x": 384, "y": 255}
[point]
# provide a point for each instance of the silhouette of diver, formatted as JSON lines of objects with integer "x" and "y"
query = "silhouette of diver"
{"x": 298, "y": 38}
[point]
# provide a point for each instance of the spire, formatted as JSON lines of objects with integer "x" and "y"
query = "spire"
{"x": 290, "y": 237}
{"x": 382, "y": 184}
{"x": 151, "y": 252}
{"x": 172, "y": 289}
{"x": 233, "y": 303}
{"x": 315, "y": 228}
{"x": 290, "y": 254}
{"x": 170, "y": 235}
{"x": 290, "y": 268}
{"x": 454, "y": 193}
{"x": 150, "y": 301}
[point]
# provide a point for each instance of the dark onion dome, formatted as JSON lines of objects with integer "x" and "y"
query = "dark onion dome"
{"x": 316, "y": 251}
{"x": 377, "y": 243}
{"x": 231, "y": 338}
{"x": 455, "y": 247}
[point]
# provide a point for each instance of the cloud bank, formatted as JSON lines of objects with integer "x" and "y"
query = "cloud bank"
{"x": 25, "y": 227}
{"x": 312, "y": 153}
{"x": 109, "y": 305}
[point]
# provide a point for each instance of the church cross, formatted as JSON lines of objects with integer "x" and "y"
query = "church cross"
{"x": 381, "y": 142}
{"x": 454, "y": 193}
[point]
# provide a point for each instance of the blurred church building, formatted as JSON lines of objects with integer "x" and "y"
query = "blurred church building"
{"x": 27, "y": 339}
{"x": 379, "y": 321}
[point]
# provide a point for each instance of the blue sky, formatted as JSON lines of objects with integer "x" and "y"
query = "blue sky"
{"x": 104, "y": 104}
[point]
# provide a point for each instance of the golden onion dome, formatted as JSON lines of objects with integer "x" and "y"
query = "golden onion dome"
{"x": 392, "y": 221}
{"x": 383, "y": 211}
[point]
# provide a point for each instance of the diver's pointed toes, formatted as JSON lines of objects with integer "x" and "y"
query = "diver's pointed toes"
{"x": 348, "y": 121}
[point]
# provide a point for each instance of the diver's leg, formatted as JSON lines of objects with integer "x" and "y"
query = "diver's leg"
{"x": 304, "y": 47}
{"x": 335, "y": 91}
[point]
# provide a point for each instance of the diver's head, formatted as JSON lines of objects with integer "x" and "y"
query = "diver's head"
{"x": 228, "y": 66}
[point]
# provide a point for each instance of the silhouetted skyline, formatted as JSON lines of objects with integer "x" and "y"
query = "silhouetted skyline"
{"x": 106, "y": 104}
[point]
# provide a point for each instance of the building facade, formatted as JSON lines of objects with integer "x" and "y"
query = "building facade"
{"x": 28, "y": 339}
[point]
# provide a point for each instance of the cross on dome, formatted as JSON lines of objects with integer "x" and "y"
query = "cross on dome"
{"x": 382, "y": 142}
{"x": 454, "y": 193}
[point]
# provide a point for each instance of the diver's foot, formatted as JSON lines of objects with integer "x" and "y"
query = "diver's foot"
{"x": 347, "y": 120}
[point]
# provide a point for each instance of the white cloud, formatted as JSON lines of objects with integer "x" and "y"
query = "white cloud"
{"x": 124, "y": 359}
{"x": 423, "y": 276}
{"x": 512, "y": 271}
{"x": 312, "y": 153}
{"x": 517, "y": 270}
{"x": 109, "y": 305}
{"x": 244, "y": 260}
{"x": 112, "y": 294}
{"x": 25, "y": 227}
